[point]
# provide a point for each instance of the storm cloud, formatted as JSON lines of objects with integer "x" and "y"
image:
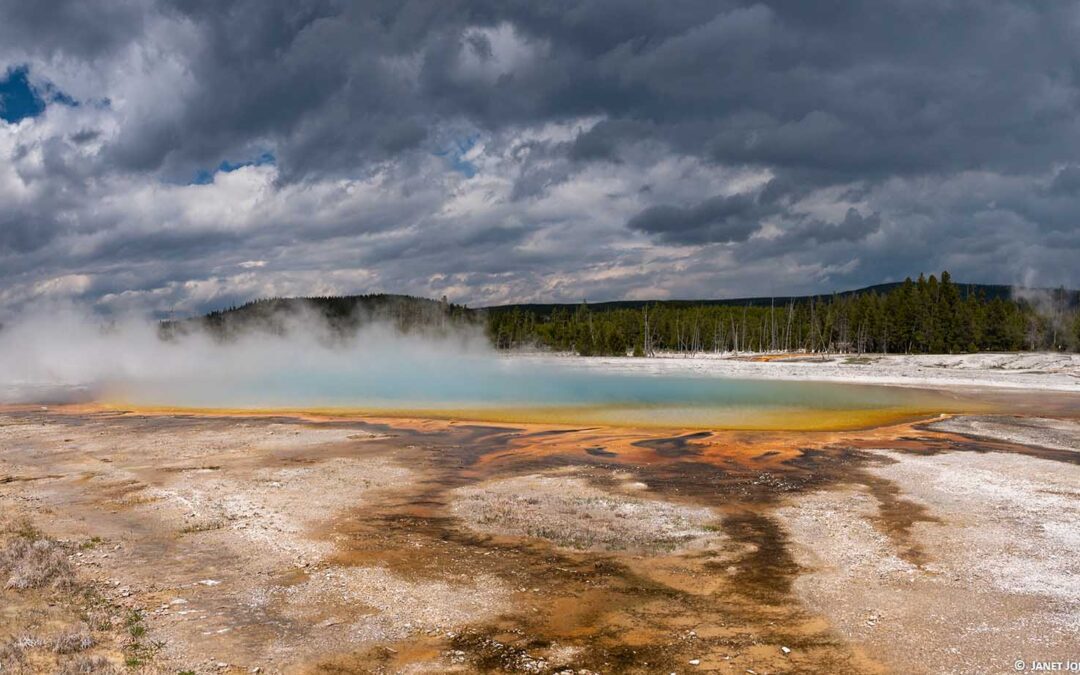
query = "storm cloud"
{"x": 175, "y": 155}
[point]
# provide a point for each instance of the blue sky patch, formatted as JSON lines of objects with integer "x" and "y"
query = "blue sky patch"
{"x": 455, "y": 155}
{"x": 206, "y": 176}
{"x": 18, "y": 100}
{"x": 54, "y": 95}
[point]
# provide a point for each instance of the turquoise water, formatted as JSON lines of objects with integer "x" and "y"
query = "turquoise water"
{"x": 484, "y": 386}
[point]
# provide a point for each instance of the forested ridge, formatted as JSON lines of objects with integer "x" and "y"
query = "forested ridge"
{"x": 342, "y": 314}
{"x": 927, "y": 315}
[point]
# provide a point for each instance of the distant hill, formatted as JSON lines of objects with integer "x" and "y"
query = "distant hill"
{"x": 349, "y": 310}
{"x": 988, "y": 291}
{"x": 343, "y": 314}
{"x": 924, "y": 316}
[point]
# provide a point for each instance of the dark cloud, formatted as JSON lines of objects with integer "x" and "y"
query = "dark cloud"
{"x": 69, "y": 27}
{"x": 22, "y": 231}
{"x": 1066, "y": 182}
{"x": 538, "y": 147}
{"x": 84, "y": 136}
{"x": 862, "y": 89}
{"x": 718, "y": 219}
{"x": 853, "y": 227}
{"x": 811, "y": 234}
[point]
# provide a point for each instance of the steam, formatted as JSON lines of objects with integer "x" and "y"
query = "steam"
{"x": 1059, "y": 326}
{"x": 64, "y": 354}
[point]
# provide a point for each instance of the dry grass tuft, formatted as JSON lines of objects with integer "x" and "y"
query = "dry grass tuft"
{"x": 14, "y": 653}
{"x": 88, "y": 665}
{"x": 202, "y": 526}
{"x": 31, "y": 562}
{"x": 73, "y": 641}
{"x": 12, "y": 657}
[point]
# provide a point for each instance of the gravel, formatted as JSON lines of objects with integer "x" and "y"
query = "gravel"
{"x": 1039, "y": 431}
{"x": 1001, "y": 581}
{"x": 570, "y": 512}
{"x": 1010, "y": 370}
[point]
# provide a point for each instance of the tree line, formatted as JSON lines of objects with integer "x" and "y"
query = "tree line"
{"x": 927, "y": 315}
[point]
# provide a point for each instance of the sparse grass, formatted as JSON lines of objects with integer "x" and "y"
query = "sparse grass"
{"x": 12, "y": 656}
{"x": 90, "y": 543}
{"x": 15, "y": 654}
{"x": 25, "y": 529}
{"x": 88, "y": 665}
{"x": 73, "y": 641}
{"x": 135, "y": 626}
{"x": 139, "y": 652}
{"x": 207, "y": 526}
{"x": 860, "y": 360}
{"x": 30, "y": 564}
{"x": 96, "y": 611}
{"x": 30, "y": 560}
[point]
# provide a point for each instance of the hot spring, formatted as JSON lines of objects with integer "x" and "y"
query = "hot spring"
{"x": 65, "y": 357}
{"x": 502, "y": 390}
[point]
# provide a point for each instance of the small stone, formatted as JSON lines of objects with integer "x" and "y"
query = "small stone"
{"x": 695, "y": 662}
{"x": 785, "y": 651}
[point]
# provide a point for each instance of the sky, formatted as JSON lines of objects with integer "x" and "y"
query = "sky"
{"x": 172, "y": 156}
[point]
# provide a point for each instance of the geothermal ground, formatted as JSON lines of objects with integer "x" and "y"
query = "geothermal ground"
{"x": 169, "y": 543}
{"x": 1046, "y": 371}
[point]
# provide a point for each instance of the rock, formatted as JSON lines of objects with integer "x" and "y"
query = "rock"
{"x": 695, "y": 662}
{"x": 785, "y": 651}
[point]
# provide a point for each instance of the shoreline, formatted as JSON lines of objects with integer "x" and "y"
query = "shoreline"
{"x": 1032, "y": 371}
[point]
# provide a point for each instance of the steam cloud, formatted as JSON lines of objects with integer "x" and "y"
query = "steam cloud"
{"x": 65, "y": 354}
